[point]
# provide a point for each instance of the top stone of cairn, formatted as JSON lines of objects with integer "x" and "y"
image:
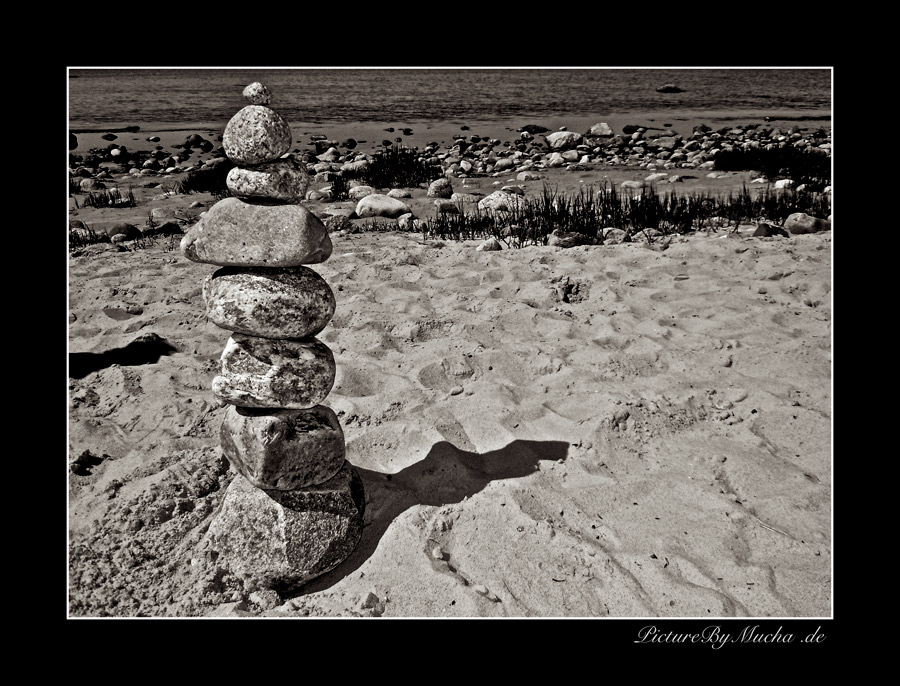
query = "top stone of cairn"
{"x": 257, "y": 94}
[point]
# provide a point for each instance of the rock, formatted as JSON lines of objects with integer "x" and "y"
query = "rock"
{"x": 656, "y": 177}
{"x": 440, "y": 188}
{"x": 73, "y": 141}
{"x": 130, "y": 231}
{"x": 633, "y": 184}
{"x": 527, "y": 176}
{"x": 284, "y": 180}
{"x": 784, "y": 183}
{"x": 560, "y": 140}
{"x": 281, "y": 539}
{"x": 490, "y": 244}
{"x": 800, "y": 222}
{"x": 399, "y": 193}
{"x": 256, "y": 135}
{"x": 237, "y": 233}
{"x": 567, "y": 239}
{"x": 330, "y": 155}
{"x": 257, "y": 94}
{"x": 446, "y": 206}
{"x": 501, "y": 201}
{"x": 360, "y": 192}
{"x": 91, "y": 184}
{"x": 601, "y": 129}
{"x": 613, "y": 236}
{"x": 283, "y": 449}
{"x": 669, "y": 88}
{"x": 377, "y": 205}
{"x": 265, "y": 372}
{"x": 280, "y": 302}
{"x": 763, "y": 229}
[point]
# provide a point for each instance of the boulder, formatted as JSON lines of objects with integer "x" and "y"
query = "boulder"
{"x": 360, "y": 192}
{"x": 285, "y": 302}
{"x": 241, "y": 234}
{"x": 283, "y": 449}
{"x": 266, "y": 372}
{"x": 377, "y": 205}
{"x": 256, "y": 134}
{"x": 281, "y": 539}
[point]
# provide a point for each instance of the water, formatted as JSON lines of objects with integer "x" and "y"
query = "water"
{"x": 193, "y": 97}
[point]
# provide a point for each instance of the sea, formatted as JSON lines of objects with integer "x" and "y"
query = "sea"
{"x": 210, "y": 96}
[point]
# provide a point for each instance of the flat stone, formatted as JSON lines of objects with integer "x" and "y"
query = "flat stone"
{"x": 285, "y": 180}
{"x": 800, "y": 222}
{"x": 256, "y": 134}
{"x": 377, "y": 205}
{"x": 265, "y": 372}
{"x": 283, "y": 449}
{"x": 236, "y": 233}
{"x": 282, "y": 539}
{"x": 271, "y": 302}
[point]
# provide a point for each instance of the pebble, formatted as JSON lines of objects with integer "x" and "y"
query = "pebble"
{"x": 456, "y": 390}
{"x": 486, "y": 592}
{"x": 257, "y": 94}
{"x": 437, "y": 553}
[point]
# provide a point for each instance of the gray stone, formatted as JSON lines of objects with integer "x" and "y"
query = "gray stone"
{"x": 283, "y": 449}
{"x": 284, "y": 180}
{"x": 567, "y": 239}
{"x": 115, "y": 228}
{"x": 280, "y": 302}
{"x": 613, "y": 236}
{"x": 282, "y": 539}
{"x": 266, "y": 372}
{"x": 560, "y": 140}
{"x": 440, "y": 188}
{"x": 501, "y": 201}
{"x": 377, "y": 205}
{"x": 257, "y": 94}
{"x": 256, "y": 135}
{"x": 601, "y": 129}
{"x": 242, "y": 234}
{"x": 763, "y": 229}
{"x": 800, "y": 222}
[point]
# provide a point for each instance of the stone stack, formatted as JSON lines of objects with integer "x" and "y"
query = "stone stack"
{"x": 296, "y": 508}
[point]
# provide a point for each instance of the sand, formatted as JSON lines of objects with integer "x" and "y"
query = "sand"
{"x": 614, "y": 431}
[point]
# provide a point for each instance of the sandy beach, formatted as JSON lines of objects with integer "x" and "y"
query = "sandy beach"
{"x": 639, "y": 430}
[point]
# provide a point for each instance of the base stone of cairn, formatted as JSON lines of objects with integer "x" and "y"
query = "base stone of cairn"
{"x": 282, "y": 539}
{"x": 295, "y": 509}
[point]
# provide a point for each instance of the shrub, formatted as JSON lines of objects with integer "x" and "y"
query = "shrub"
{"x": 397, "y": 167}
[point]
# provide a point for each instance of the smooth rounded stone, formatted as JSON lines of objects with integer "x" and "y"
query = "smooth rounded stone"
{"x": 501, "y": 201}
{"x": 377, "y": 205}
{"x": 266, "y": 372}
{"x": 286, "y": 302}
{"x": 236, "y": 233}
{"x": 283, "y": 449}
{"x": 257, "y": 94}
{"x": 256, "y": 135}
{"x": 800, "y": 222}
{"x": 283, "y": 180}
{"x": 282, "y": 539}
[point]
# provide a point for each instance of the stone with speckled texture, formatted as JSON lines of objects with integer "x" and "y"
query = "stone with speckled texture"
{"x": 281, "y": 539}
{"x": 284, "y": 180}
{"x": 283, "y": 449}
{"x": 255, "y": 135}
{"x": 289, "y": 302}
{"x": 257, "y": 94}
{"x": 266, "y": 372}
{"x": 236, "y": 233}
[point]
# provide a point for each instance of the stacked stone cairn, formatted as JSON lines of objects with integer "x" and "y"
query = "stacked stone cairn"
{"x": 295, "y": 510}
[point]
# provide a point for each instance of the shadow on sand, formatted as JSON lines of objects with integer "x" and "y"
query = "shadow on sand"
{"x": 445, "y": 476}
{"x": 144, "y": 350}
